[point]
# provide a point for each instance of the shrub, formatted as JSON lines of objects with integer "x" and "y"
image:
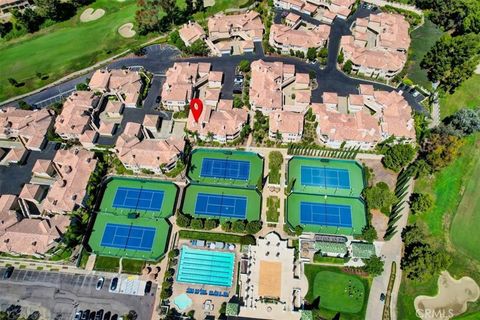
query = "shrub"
{"x": 210, "y": 224}
{"x": 196, "y": 224}
{"x": 253, "y": 227}
{"x": 420, "y": 202}
{"x": 238, "y": 226}
{"x": 398, "y": 156}
{"x": 183, "y": 221}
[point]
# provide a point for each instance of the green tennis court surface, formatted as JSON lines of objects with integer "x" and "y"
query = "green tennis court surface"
{"x": 208, "y": 201}
{"x": 326, "y": 195}
{"x": 225, "y": 167}
{"x": 152, "y": 198}
{"x": 131, "y": 219}
{"x": 326, "y": 176}
{"x": 325, "y": 221}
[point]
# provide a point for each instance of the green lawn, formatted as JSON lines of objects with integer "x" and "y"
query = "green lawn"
{"x": 467, "y": 95}
{"x": 423, "y": 39}
{"x": 273, "y": 205}
{"x": 108, "y": 264}
{"x": 212, "y": 236}
{"x": 446, "y": 188}
{"x": 337, "y": 291}
{"x": 132, "y": 266}
{"x": 65, "y": 47}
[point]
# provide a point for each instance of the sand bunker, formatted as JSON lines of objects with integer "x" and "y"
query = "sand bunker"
{"x": 91, "y": 14}
{"x": 451, "y": 299}
{"x": 208, "y": 3}
{"x": 126, "y": 30}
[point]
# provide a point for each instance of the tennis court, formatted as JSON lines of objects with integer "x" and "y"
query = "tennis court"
{"x": 225, "y": 169}
{"x": 325, "y": 214}
{"x": 141, "y": 199}
{"x": 338, "y": 177}
{"x": 325, "y": 177}
{"x": 208, "y": 201}
{"x": 221, "y": 205}
{"x": 128, "y": 237}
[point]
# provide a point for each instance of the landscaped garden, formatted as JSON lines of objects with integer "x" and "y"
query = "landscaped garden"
{"x": 273, "y": 206}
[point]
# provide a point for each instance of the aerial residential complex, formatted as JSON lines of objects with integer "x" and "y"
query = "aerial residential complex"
{"x": 230, "y": 160}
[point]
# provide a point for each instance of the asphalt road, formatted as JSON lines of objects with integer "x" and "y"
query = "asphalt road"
{"x": 59, "y": 295}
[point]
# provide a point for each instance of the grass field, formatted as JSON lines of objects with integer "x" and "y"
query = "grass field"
{"x": 357, "y": 208}
{"x": 423, "y": 38}
{"x": 337, "y": 291}
{"x": 467, "y": 95}
{"x": 355, "y": 171}
{"x": 253, "y": 199}
{"x": 195, "y": 167}
{"x": 132, "y": 266}
{"x": 213, "y": 236}
{"x": 169, "y": 196}
{"x": 108, "y": 264}
{"x": 65, "y": 47}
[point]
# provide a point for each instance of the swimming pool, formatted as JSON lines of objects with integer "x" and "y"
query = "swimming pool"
{"x": 206, "y": 267}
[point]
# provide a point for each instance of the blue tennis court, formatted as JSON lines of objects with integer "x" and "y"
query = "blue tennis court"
{"x": 325, "y": 177}
{"x": 221, "y": 205}
{"x": 325, "y": 214}
{"x": 124, "y": 236}
{"x": 225, "y": 169}
{"x": 140, "y": 199}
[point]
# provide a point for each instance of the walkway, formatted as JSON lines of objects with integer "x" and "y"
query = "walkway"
{"x": 390, "y": 251}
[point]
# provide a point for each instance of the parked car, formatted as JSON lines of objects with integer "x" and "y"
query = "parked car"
{"x": 100, "y": 282}
{"x": 114, "y": 284}
{"x": 8, "y": 272}
{"x": 99, "y": 315}
{"x": 157, "y": 100}
{"x": 114, "y": 317}
{"x": 78, "y": 315}
{"x": 85, "y": 315}
{"x": 382, "y": 297}
{"x": 107, "y": 315}
{"x": 92, "y": 316}
{"x": 148, "y": 287}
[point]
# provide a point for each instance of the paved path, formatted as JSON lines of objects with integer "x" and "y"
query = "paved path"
{"x": 382, "y": 3}
{"x": 390, "y": 251}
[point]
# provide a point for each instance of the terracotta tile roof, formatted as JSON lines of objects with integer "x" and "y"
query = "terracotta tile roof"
{"x": 114, "y": 106}
{"x": 286, "y": 122}
{"x": 126, "y": 83}
{"x": 151, "y": 120}
{"x": 397, "y": 114}
{"x": 30, "y": 126}
{"x": 292, "y": 17}
{"x": 8, "y": 211}
{"x": 247, "y": 22}
{"x": 216, "y": 76}
{"x": 355, "y": 99}
{"x": 366, "y": 89}
{"x": 330, "y": 98}
{"x": 73, "y": 168}
{"x": 76, "y": 113}
{"x": 136, "y": 150}
{"x": 224, "y": 121}
{"x": 30, "y": 191}
{"x": 42, "y": 166}
{"x": 302, "y": 78}
{"x": 287, "y": 36}
{"x": 33, "y": 236}
{"x": 191, "y": 31}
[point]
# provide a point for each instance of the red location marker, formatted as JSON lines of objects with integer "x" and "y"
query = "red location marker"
{"x": 196, "y": 106}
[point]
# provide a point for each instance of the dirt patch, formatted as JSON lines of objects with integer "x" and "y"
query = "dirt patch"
{"x": 208, "y": 3}
{"x": 379, "y": 222}
{"x": 126, "y": 30}
{"x": 380, "y": 173}
{"x": 91, "y": 14}
{"x": 451, "y": 300}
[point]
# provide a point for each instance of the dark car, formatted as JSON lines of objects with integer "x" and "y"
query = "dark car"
{"x": 114, "y": 317}
{"x": 113, "y": 284}
{"x": 107, "y": 315}
{"x": 148, "y": 287}
{"x": 382, "y": 297}
{"x": 8, "y": 272}
{"x": 85, "y": 315}
{"x": 99, "y": 315}
{"x": 92, "y": 316}
{"x": 157, "y": 100}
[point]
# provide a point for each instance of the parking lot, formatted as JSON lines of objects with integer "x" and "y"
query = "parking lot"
{"x": 59, "y": 295}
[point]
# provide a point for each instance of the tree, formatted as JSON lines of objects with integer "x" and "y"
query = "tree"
{"x": 440, "y": 149}
{"x": 238, "y": 226}
{"x": 49, "y": 9}
{"x": 226, "y": 225}
{"x": 183, "y": 221}
{"x": 175, "y": 40}
{"x": 420, "y": 260}
{"x": 340, "y": 57}
{"x": 5, "y": 28}
{"x": 420, "y": 202}
{"x": 244, "y": 66}
{"x": 311, "y": 54}
{"x": 379, "y": 197}
{"x": 28, "y": 19}
{"x": 198, "y": 48}
{"x": 465, "y": 120}
{"x": 169, "y": 7}
{"x": 347, "y": 67}
{"x": 147, "y": 17}
{"x": 398, "y": 156}
{"x": 373, "y": 266}
{"x": 323, "y": 53}
{"x": 312, "y": 74}
{"x": 450, "y": 70}
{"x": 420, "y": 168}
{"x": 369, "y": 233}
{"x": 298, "y": 230}
{"x": 196, "y": 224}
{"x": 253, "y": 227}
{"x": 82, "y": 86}
{"x": 210, "y": 224}
{"x": 237, "y": 102}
